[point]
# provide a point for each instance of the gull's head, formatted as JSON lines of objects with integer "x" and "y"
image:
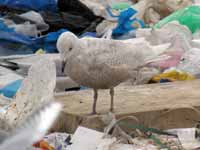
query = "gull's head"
{"x": 66, "y": 42}
{"x": 65, "y": 46}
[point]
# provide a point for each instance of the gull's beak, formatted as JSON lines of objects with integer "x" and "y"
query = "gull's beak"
{"x": 63, "y": 66}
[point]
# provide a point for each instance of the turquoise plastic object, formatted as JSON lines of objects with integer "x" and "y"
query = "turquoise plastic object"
{"x": 11, "y": 89}
{"x": 120, "y": 6}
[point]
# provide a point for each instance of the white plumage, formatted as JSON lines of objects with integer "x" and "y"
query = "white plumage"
{"x": 103, "y": 63}
{"x": 33, "y": 130}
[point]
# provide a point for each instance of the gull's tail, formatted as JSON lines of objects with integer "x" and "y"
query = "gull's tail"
{"x": 160, "y": 49}
{"x": 158, "y": 53}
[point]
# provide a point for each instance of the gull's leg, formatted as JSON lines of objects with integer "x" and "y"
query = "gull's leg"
{"x": 112, "y": 99}
{"x": 95, "y": 101}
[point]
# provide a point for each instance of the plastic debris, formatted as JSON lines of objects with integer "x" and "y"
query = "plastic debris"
{"x": 9, "y": 77}
{"x": 173, "y": 76}
{"x": 121, "y": 6}
{"x": 188, "y": 16}
{"x": 40, "y": 51}
{"x": 166, "y": 29}
{"x": 127, "y": 23}
{"x": 82, "y": 139}
{"x": 54, "y": 141}
{"x": 36, "y": 18}
{"x": 11, "y": 89}
{"x": 190, "y": 62}
{"x": 38, "y": 5}
{"x": 155, "y": 140}
{"x": 14, "y": 42}
{"x": 30, "y": 23}
{"x": 187, "y": 138}
{"x": 151, "y": 11}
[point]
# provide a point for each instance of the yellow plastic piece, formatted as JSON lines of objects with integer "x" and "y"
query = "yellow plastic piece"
{"x": 40, "y": 51}
{"x": 173, "y": 76}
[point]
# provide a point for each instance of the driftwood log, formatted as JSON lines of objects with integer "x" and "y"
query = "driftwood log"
{"x": 163, "y": 106}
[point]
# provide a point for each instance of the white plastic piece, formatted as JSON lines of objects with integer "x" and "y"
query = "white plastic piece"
{"x": 85, "y": 139}
{"x": 187, "y": 138}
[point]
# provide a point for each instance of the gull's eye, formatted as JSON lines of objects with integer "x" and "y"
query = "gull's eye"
{"x": 70, "y": 49}
{"x": 182, "y": 59}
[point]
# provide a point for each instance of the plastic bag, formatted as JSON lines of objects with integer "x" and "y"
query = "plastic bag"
{"x": 75, "y": 16}
{"x": 35, "y": 18}
{"x": 38, "y": 5}
{"x": 14, "y": 43}
{"x": 190, "y": 62}
{"x": 26, "y": 29}
{"x": 174, "y": 59}
{"x": 73, "y": 22}
{"x": 77, "y": 8}
{"x": 189, "y": 16}
{"x": 29, "y": 19}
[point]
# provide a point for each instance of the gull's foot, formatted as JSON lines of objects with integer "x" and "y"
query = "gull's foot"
{"x": 112, "y": 110}
{"x": 92, "y": 113}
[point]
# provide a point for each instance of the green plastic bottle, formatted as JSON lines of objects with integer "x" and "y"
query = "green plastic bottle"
{"x": 189, "y": 16}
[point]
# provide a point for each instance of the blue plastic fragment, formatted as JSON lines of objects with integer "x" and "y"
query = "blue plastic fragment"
{"x": 11, "y": 89}
{"x": 83, "y": 88}
{"x": 126, "y": 21}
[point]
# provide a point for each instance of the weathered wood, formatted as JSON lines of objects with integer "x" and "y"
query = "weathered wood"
{"x": 162, "y": 106}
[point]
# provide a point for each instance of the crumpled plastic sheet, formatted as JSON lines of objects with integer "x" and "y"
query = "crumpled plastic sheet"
{"x": 182, "y": 45}
{"x": 30, "y": 23}
{"x": 190, "y": 62}
{"x": 39, "y": 5}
